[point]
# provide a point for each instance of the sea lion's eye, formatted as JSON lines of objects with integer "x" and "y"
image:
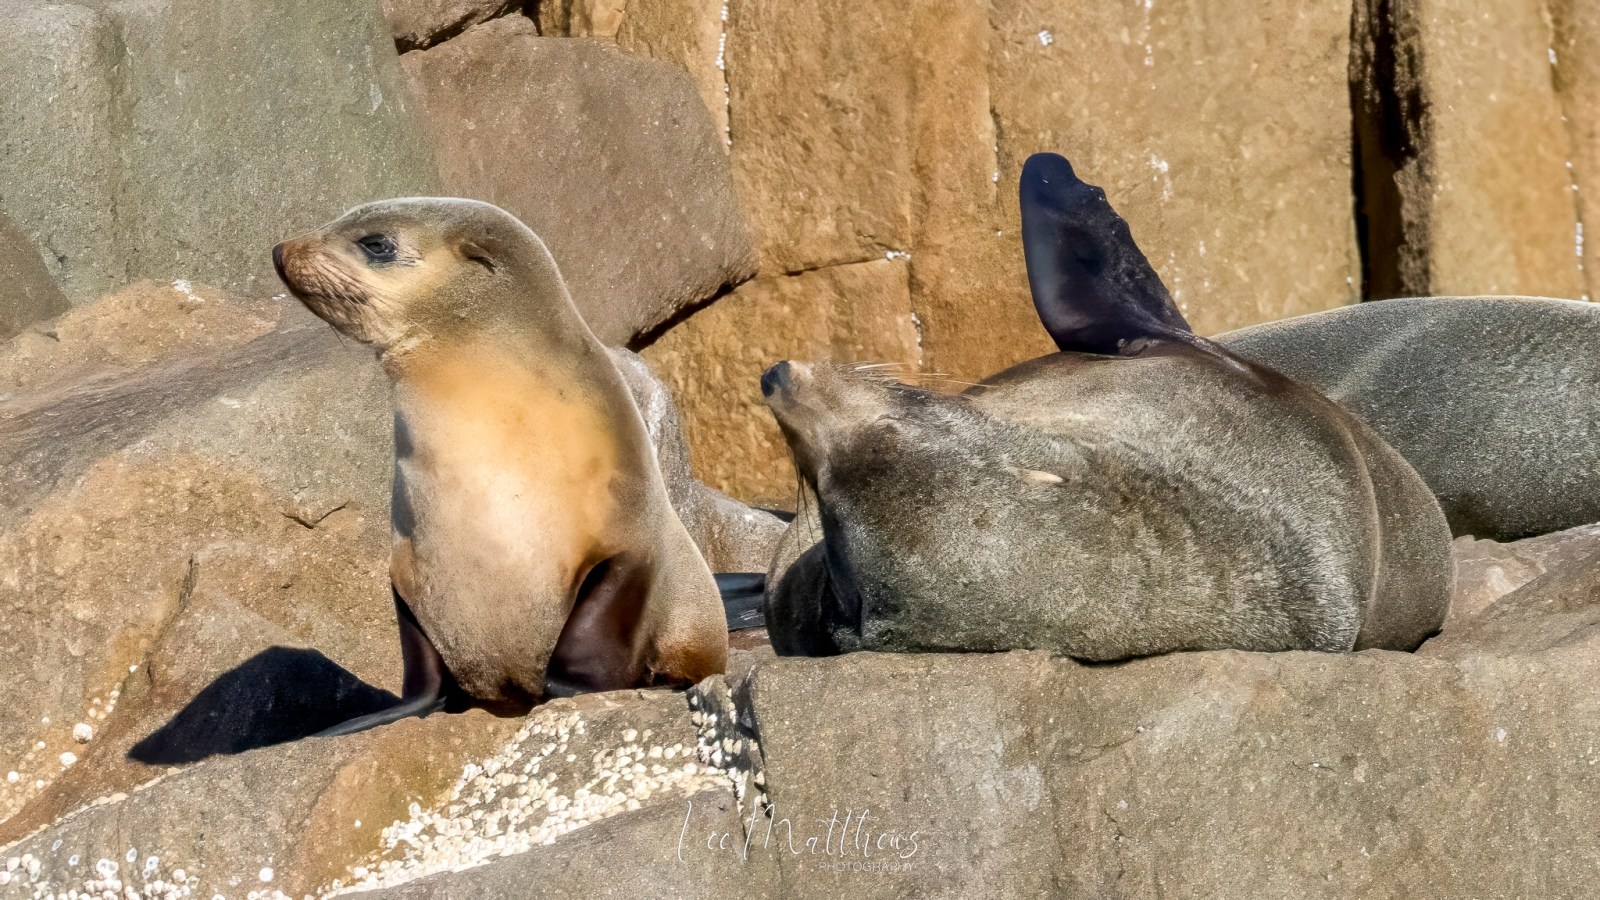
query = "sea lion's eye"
{"x": 379, "y": 248}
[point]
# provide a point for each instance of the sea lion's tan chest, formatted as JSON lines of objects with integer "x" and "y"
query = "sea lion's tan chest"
{"x": 508, "y": 472}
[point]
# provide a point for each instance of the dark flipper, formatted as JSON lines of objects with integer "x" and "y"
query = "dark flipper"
{"x": 425, "y": 688}
{"x": 743, "y": 598}
{"x": 596, "y": 650}
{"x": 1094, "y": 290}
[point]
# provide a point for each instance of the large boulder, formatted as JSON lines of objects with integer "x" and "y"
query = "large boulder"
{"x": 613, "y": 160}
{"x": 30, "y": 295}
{"x": 189, "y": 479}
{"x": 690, "y": 33}
{"x": 1217, "y": 134}
{"x": 998, "y": 775}
{"x": 378, "y": 808}
{"x": 182, "y": 138}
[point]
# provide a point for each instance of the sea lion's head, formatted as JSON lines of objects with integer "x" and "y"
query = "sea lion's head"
{"x": 397, "y": 272}
{"x": 824, "y": 408}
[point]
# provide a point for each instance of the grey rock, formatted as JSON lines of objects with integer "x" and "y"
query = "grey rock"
{"x": 612, "y": 160}
{"x": 1488, "y": 570}
{"x": 182, "y": 139}
{"x": 29, "y": 293}
{"x": 663, "y": 859}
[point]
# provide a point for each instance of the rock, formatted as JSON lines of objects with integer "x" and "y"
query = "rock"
{"x": 388, "y": 805}
{"x": 419, "y": 24}
{"x": 619, "y": 166}
{"x": 690, "y": 33}
{"x": 822, "y": 152}
{"x": 851, "y": 141}
{"x": 585, "y": 864}
{"x": 1487, "y": 570}
{"x": 712, "y": 363}
{"x": 188, "y": 479}
{"x": 1022, "y": 775}
{"x": 195, "y": 136}
{"x": 30, "y": 295}
{"x": 731, "y": 536}
{"x": 65, "y": 51}
{"x": 1575, "y": 56}
{"x": 1552, "y": 603}
{"x": 1482, "y": 200}
{"x": 1230, "y": 158}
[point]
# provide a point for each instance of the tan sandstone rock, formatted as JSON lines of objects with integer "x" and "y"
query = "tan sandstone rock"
{"x": 1223, "y": 138}
{"x": 613, "y": 160}
{"x": 690, "y": 33}
{"x": 712, "y": 363}
{"x": 177, "y": 461}
{"x": 194, "y": 540}
{"x": 1487, "y": 201}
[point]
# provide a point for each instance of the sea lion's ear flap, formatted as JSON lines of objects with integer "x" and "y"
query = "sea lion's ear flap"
{"x": 478, "y": 252}
{"x": 1094, "y": 290}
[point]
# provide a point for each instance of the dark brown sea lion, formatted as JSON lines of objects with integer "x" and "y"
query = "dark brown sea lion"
{"x": 1168, "y": 495}
{"x": 1495, "y": 401}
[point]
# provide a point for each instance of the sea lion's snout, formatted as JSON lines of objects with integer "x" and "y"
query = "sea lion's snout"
{"x": 775, "y": 379}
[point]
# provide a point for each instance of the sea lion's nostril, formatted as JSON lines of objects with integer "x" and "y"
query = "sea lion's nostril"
{"x": 277, "y": 261}
{"x": 774, "y": 378}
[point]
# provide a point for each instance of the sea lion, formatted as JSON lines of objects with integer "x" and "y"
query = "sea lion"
{"x": 1495, "y": 401}
{"x": 1170, "y": 496}
{"x": 535, "y": 552}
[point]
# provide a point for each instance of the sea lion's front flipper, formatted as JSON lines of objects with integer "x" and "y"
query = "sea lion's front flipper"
{"x": 425, "y": 686}
{"x": 1093, "y": 288}
{"x": 597, "y": 647}
{"x": 743, "y": 598}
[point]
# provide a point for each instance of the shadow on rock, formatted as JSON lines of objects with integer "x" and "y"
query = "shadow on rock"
{"x": 280, "y": 694}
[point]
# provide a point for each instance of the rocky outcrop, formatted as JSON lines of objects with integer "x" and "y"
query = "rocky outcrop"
{"x": 613, "y": 160}
{"x": 182, "y": 139}
{"x": 732, "y": 537}
{"x": 30, "y": 294}
{"x": 689, "y": 33}
{"x": 189, "y": 480}
{"x": 1003, "y": 775}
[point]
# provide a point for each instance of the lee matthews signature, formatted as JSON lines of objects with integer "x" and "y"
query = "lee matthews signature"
{"x": 837, "y": 842}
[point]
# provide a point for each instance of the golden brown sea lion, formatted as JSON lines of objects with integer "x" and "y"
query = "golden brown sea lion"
{"x": 535, "y": 551}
